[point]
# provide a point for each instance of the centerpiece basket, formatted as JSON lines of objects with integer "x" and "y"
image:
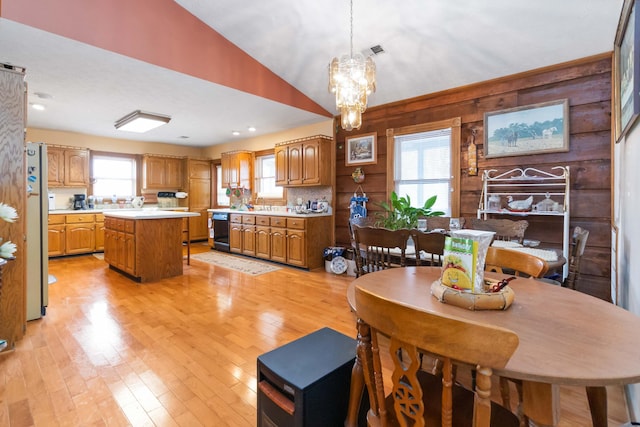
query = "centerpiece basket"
{"x": 500, "y": 300}
{"x": 462, "y": 282}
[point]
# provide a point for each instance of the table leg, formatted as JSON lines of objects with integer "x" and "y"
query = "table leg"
{"x": 597, "y": 397}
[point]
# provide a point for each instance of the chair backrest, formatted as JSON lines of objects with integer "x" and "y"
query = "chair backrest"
{"x": 519, "y": 263}
{"x": 579, "y": 242}
{"x": 429, "y": 247}
{"x": 380, "y": 248}
{"x": 436, "y": 222}
{"x": 505, "y": 229}
{"x": 413, "y": 332}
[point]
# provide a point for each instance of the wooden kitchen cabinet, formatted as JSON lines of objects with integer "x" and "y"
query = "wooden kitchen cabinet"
{"x": 99, "y": 233}
{"x": 56, "y": 235}
{"x": 73, "y": 234}
{"x": 236, "y": 169}
{"x": 80, "y": 234}
{"x": 304, "y": 162}
{"x": 287, "y": 239}
{"x": 120, "y": 244}
{"x": 55, "y": 163}
{"x": 161, "y": 172}
{"x": 235, "y": 233}
{"x": 67, "y": 167}
{"x": 199, "y": 188}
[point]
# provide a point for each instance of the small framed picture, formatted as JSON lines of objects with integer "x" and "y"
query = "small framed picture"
{"x": 627, "y": 69}
{"x": 531, "y": 129}
{"x": 361, "y": 150}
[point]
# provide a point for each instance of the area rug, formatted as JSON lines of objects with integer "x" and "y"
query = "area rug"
{"x": 241, "y": 264}
{"x": 99, "y": 255}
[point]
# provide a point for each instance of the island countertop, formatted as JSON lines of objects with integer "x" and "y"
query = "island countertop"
{"x": 152, "y": 214}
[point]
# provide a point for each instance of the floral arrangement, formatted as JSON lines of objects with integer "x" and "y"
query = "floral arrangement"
{"x": 9, "y": 214}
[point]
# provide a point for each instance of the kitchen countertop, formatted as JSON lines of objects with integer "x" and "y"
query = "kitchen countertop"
{"x": 95, "y": 211}
{"x": 148, "y": 214}
{"x": 270, "y": 213}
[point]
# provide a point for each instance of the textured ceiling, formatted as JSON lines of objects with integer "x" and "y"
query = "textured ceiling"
{"x": 429, "y": 46}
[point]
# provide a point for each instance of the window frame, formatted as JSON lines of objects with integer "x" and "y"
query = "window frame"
{"x": 267, "y": 200}
{"x": 455, "y": 125}
{"x": 135, "y": 157}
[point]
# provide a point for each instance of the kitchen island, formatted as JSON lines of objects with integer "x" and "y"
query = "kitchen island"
{"x": 144, "y": 245}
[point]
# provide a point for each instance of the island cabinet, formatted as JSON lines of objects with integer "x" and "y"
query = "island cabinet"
{"x": 290, "y": 240}
{"x": 236, "y": 169}
{"x": 304, "y": 162}
{"x": 147, "y": 247}
{"x": 162, "y": 172}
{"x": 67, "y": 167}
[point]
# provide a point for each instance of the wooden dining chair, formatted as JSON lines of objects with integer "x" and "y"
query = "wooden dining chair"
{"x": 441, "y": 222}
{"x": 507, "y": 261}
{"x": 419, "y": 398}
{"x": 379, "y": 248}
{"x": 579, "y": 242}
{"x": 429, "y": 247}
{"x": 361, "y": 221}
{"x": 518, "y": 263}
{"x": 505, "y": 229}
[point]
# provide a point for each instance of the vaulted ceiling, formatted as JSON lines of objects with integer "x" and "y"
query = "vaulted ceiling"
{"x": 216, "y": 66}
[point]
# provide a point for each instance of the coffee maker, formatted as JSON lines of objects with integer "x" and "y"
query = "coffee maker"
{"x": 79, "y": 201}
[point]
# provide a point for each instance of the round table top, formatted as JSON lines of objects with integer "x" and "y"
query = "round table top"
{"x": 566, "y": 337}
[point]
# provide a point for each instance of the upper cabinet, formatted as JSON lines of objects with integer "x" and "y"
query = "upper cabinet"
{"x": 304, "y": 162}
{"x": 236, "y": 169}
{"x": 68, "y": 167}
{"x": 162, "y": 173}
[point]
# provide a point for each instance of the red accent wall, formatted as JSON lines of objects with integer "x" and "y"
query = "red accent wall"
{"x": 162, "y": 33}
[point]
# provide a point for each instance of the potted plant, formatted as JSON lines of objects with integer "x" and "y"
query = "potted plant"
{"x": 400, "y": 214}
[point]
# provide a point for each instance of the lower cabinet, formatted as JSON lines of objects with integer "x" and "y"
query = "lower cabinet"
{"x": 119, "y": 244}
{"x": 290, "y": 240}
{"x": 73, "y": 234}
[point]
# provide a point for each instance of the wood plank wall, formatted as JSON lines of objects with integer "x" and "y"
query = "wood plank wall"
{"x": 585, "y": 83}
{"x": 12, "y": 192}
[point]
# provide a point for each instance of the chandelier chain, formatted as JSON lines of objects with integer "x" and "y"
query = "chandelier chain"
{"x": 351, "y": 33}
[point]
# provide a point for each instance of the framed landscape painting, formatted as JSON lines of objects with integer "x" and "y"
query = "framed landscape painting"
{"x": 627, "y": 69}
{"x": 361, "y": 150}
{"x": 531, "y": 129}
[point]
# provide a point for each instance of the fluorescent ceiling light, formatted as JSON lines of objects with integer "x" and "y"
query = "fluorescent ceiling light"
{"x": 140, "y": 121}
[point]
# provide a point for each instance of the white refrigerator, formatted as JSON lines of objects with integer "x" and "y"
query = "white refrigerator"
{"x": 37, "y": 224}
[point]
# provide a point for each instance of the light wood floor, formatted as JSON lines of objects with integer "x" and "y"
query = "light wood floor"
{"x": 179, "y": 352}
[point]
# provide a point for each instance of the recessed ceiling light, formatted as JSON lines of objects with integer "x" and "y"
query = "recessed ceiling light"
{"x": 235, "y": 133}
{"x": 38, "y": 107}
{"x": 251, "y": 129}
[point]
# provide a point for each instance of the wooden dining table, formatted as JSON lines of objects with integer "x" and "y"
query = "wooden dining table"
{"x": 565, "y": 338}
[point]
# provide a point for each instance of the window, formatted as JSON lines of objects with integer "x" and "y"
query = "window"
{"x": 425, "y": 161}
{"x": 221, "y": 193}
{"x": 113, "y": 175}
{"x": 265, "y": 177}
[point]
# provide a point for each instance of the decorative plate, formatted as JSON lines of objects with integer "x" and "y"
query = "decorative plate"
{"x": 338, "y": 265}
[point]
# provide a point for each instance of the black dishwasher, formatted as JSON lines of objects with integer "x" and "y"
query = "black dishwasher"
{"x": 220, "y": 231}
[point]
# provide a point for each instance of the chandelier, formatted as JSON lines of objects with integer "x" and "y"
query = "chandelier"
{"x": 352, "y": 78}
